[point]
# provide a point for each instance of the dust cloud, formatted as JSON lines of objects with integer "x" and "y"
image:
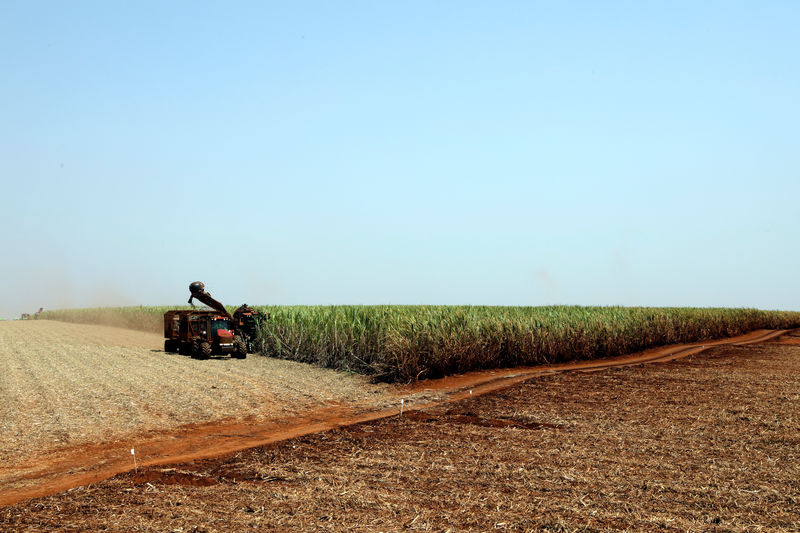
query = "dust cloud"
{"x": 54, "y": 288}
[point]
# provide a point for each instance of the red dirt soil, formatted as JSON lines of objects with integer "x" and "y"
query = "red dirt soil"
{"x": 83, "y": 465}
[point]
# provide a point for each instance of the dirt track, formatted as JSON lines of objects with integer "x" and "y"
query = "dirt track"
{"x": 327, "y": 400}
{"x": 706, "y": 443}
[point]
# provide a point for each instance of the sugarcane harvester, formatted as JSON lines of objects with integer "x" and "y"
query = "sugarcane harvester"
{"x": 201, "y": 333}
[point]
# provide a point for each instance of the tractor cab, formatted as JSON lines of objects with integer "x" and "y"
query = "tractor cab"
{"x": 215, "y": 330}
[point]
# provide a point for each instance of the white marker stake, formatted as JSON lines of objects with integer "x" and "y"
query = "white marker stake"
{"x": 135, "y": 469}
{"x": 401, "y": 407}
{"x": 470, "y": 392}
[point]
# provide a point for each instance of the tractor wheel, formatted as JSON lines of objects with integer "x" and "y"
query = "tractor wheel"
{"x": 195, "y": 349}
{"x": 205, "y": 350}
{"x": 239, "y": 348}
{"x": 169, "y": 346}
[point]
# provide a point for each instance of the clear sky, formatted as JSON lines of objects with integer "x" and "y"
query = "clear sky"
{"x": 414, "y": 152}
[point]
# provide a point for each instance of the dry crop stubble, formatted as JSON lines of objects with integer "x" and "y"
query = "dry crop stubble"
{"x": 66, "y": 384}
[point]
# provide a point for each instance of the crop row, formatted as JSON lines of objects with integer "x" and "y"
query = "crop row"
{"x": 403, "y": 343}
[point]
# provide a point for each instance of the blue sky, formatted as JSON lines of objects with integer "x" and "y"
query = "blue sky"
{"x": 503, "y": 153}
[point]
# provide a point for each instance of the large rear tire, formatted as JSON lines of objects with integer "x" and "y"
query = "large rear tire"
{"x": 205, "y": 351}
{"x": 239, "y": 348}
{"x": 195, "y": 348}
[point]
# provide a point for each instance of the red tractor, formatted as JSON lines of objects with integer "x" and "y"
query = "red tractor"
{"x": 200, "y": 333}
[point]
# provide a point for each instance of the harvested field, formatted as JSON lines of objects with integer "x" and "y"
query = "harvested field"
{"x": 65, "y": 385}
{"x": 707, "y": 443}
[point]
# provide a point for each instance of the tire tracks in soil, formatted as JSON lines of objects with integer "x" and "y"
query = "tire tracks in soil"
{"x": 92, "y": 463}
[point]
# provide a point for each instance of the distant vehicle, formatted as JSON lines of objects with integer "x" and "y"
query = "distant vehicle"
{"x": 27, "y": 316}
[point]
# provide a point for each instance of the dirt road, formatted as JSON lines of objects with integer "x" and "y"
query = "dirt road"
{"x": 89, "y": 394}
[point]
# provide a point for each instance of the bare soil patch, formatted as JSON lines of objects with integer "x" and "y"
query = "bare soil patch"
{"x": 706, "y": 443}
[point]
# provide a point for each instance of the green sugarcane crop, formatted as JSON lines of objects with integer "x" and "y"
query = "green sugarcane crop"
{"x": 404, "y": 343}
